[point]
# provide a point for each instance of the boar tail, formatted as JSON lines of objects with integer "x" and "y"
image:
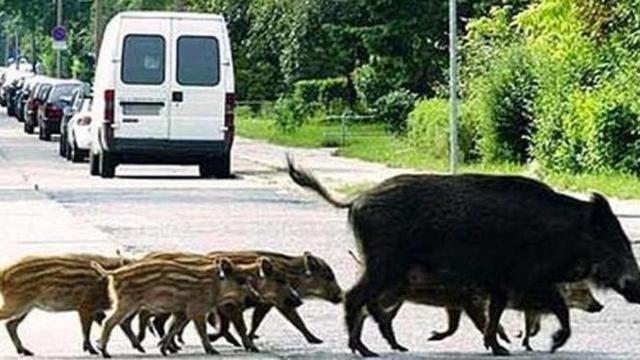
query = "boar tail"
{"x": 306, "y": 180}
{"x": 97, "y": 267}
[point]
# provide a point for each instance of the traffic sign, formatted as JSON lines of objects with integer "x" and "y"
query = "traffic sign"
{"x": 60, "y": 45}
{"x": 59, "y": 33}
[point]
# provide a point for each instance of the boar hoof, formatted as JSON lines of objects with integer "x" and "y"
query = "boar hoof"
{"x": 25, "y": 352}
{"x": 357, "y": 347}
{"x": 437, "y": 336}
{"x": 105, "y": 354}
{"x": 88, "y": 348}
{"x": 398, "y": 347}
{"x": 314, "y": 340}
{"x": 560, "y": 337}
{"x": 139, "y": 348}
{"x": 497, "y": 349}
{"x": 212, "y": 351}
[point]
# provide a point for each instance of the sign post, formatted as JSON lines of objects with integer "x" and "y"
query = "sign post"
{"x": 59, "y": 34}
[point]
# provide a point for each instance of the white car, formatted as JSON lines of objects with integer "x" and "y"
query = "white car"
{"x": 79, "y": 133}
{"x": 163, "y": 93}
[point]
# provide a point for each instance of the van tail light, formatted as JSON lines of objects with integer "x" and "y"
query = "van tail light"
{"x": 51, "y": 112}
{"x": 229, "y": 117}
{"x": 109, "y": 106}
{"x": 229, "y": 105}
{"x": 85, "y": 120}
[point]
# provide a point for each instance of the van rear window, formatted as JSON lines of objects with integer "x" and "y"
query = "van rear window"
{"x": 198, "y": 61}
{"x": 143, "y": 60}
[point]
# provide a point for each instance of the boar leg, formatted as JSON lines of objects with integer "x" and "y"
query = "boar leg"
{"x": 223, "y": 330}
{"x": 234, "y": 313}
{"x": 200, "y": 320}
{"x": 86, "y": 320}
{"x": 167, "y": 344}
{"x": 144, "y": 318}
{"x": 367, "y": 289}
{"x": 497, "y": 304}
{"x": 530, "y": 318}
{"x": 120, "y": 314}
{"x": 12, "y": 328}
{"x": 558, "y": 307}
{"x": 478, "y": 316}
{"x": 292, "y": 315}
{"x": 159, "y": 322}
{"x": 385, "y": 324}
{"x": 125, "y": 325}
{"x": 453, "y": 316}
{"x": 259, "y": 314}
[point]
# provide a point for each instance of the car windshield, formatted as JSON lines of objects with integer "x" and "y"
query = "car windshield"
{"x": 60, "y": 91}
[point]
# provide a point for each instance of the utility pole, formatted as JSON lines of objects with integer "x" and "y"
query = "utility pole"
{"x": 58, "y": 52}
{"x": 453, "y": 88}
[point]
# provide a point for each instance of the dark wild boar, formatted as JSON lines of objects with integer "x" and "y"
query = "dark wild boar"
{"x": 503, "y": 233}
{"x": 56, "y": 283}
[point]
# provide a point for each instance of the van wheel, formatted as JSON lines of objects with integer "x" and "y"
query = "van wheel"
{"x": 107, "y": 165}
{"x": 94, "y": 164}
{"x": 222, "y": 166}
{"x": 206, "y": 169}
{"x": 28, "y": 128}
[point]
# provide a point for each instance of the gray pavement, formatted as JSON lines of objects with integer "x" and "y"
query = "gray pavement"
{"x": 48, "y": 205}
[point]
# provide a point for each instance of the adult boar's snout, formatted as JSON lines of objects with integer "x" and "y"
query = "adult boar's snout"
{"x": 595, "y": 307}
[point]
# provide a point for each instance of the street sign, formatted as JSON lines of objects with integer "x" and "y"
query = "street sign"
{"x": 59, "y": 33}
{"x": 60, "y": 45}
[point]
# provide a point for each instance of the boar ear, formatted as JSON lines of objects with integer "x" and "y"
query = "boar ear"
{"x": 225, "y": 267}
{"x": 265, "y": 267}
{"x": 601, "y": 209}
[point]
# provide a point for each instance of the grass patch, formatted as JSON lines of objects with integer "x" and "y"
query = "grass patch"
{"x": 370, "y": 142}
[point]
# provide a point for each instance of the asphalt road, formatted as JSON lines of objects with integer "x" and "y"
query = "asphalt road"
{"x": 48, "y": 205}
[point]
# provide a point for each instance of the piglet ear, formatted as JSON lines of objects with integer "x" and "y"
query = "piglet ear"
{"x": 309, "y": 262}
{"x": 265, "y": 267}
{"x": 601, "y": 210}
{"x": 225, "y": 268}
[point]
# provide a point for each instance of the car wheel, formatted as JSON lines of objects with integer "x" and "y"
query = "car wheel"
{"x": 107, "y": 165}
{"x": 28, "y": 128}
{"x": 62, "y": 146}
{"x": 94, "y": 164}
{"x": 46, "y": 133}
{"x": 76, "y": 154}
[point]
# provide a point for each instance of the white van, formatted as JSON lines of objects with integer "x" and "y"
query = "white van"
{"x": 163, "y": 93}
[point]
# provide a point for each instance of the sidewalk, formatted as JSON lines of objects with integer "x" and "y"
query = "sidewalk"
{"x": 338, "y": 172}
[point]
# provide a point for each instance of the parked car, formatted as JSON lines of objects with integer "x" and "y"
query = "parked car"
{"x": 163, "y": 93}
{"x": 36, "y": 99}
{"x": 23, "y": 96}
{"x": 75, "y": 104}
{"x": 50, "y": 111}
{"x": 11, "y": 75}
{"x": 78, "y": 139}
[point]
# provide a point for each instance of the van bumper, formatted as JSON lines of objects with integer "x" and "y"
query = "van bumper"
{"x": 154, "y": 151}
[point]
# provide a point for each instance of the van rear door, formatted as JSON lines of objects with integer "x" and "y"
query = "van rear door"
{"x": 198, "y": 91}
{"x": 142, "y": 90}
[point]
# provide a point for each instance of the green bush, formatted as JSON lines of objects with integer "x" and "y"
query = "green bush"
{"x": 393, "y": 109}
{"x": 429, "y": 129}
{"x": 289, "y": 114}
{"x": 505, "y": 97}
{"x": 330, "y": 94}
{"x": 370, "y": 84}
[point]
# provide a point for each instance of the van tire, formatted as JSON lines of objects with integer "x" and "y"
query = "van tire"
{"x": 206, "y": 169}
{"x": 222, "y": 166}
{"x": 94, "y": 164}
{"x": 28, "y": 128}
{"x": 107, "y": 165}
